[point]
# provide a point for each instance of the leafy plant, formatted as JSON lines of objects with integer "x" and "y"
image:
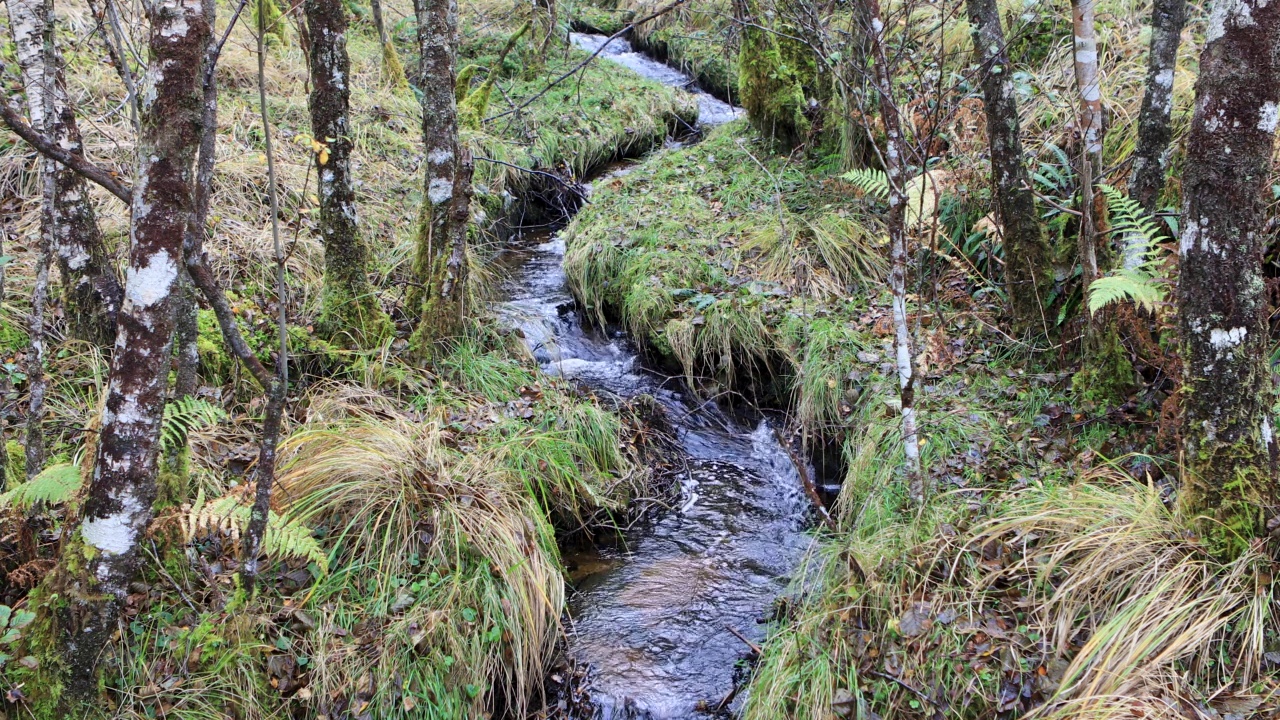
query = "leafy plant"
{"x": 1139, "y": 279}
{"x": 184, "y": 416}
{"x": 229, "y": 517}
{"x": 869, "y": 181}
{"x": 54, "y": 485}
{"x": 11, "y": 623}
{"x": 921, "y": 192}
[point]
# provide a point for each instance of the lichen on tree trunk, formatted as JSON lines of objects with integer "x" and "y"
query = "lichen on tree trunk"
{"x": 1222, "y": 301}
{"x": 440, "y": 265}
{"x": 1151, "y": 156}
{"x": 350, "y": 313}
{"x": 102, "y": 557}
{"x": 1028, "y": 257}
{"x": 91, "y": 290}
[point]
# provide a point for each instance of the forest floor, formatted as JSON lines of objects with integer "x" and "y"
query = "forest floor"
{"x": 758, "y": 276}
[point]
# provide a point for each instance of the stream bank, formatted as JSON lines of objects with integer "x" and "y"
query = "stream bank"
{"x": 662, "y": 621}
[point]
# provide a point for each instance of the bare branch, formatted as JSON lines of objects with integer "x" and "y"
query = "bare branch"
{"x": 49, "y": 149}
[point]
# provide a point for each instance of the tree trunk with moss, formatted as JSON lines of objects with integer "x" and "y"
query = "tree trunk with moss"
{"x": 1222, "y": 301}
{"x": 1151, "y": 157}
{"x": 92, "y": 580}
{"x": 1028, "y": 273}
{"x": 392, "y": 68}
{"x": 440, "y": 266}
{"x": 544, "y": 25}
{"x": 91, "y": 290}
{"x": 771, "y": 91}
{"x": 350, "y": 313}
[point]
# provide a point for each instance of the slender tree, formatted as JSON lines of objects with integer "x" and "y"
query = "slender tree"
{"x": 1090, "y": 125}
{"x": 440, "y": 266}
{"x": 544, "y": 27}
{"x": 91, "y": 290}
{"x": 895, "y": 167}
{"x": 1028, "y": 257}
{"x": 95, "y": 572}
{"x": 1222, "y": 304}
{"x": 350, "y": 309}
{"x": 1151, "y": 157}
{"x": 392, "y": 68}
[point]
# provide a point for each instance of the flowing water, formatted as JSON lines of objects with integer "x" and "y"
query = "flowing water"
{"x": 655, "y": 619}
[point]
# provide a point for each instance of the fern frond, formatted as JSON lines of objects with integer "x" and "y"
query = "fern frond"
{"x": 871, "y": 182}
{"x": 54, "y": 485}
{"x": 184, "y": 416}
{"x": 1131, "y": 222}
{"x": 228, "y": 516}
{"x": 1124, "y": 284}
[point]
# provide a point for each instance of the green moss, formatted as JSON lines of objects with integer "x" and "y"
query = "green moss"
{"x": 13, "y": 338}
{"x": 392, "y": 69}
{"x": 268, "y": 12}
{"x": 772, "y": 90}
{"x": 462, "y": 88}
{"x": 15, "y": 466}
{"x": 351, "y": 322}
{"x": 1106, "y": 376}
{"x": 216, "y": 364}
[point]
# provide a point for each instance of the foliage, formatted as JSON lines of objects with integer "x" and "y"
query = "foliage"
{"x": 12, "y": 622}
{"x": 229, "y": 516}
{"x": 1140, "y": 283}
{"x": 54, "y": 485}
{"x": 184, "y": 416}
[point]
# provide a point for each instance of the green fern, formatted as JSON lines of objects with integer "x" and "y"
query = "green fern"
{"x": 1135, "y": 285}
{"x": 54, "y": 485}
{"x": 871, "y": 182}
{"x": 1139, "y": 282}
{"x": 184, "y": 416}
{"x": 229, "y": 517}
{"x": 1130, "y": 221}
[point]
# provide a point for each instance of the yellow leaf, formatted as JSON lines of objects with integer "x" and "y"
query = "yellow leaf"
{"x": 262, "y": 158}
{"x": 324, "y": 156}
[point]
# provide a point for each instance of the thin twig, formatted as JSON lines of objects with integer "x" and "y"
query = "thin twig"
{"x": 754, "y": 647}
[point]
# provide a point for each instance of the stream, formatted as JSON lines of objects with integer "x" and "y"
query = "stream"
{"x": 655, "y": 618}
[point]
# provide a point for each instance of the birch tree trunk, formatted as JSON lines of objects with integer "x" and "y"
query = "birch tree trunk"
{"x": 97, "y": 568}
{"x": 350, "y": 311}
{"x": 1151, "y": 156}
{"x": 895, "y": 169}
{"x": 441, "y": 262}
{"x": 1090, "y": 124}
{"x": 1028, "y": 257}
{"x": 91, "y": 290}
{"x": 1222, "y": 303}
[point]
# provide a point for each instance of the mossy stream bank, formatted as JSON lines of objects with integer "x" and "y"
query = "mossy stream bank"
{"x": 662, "y": 621}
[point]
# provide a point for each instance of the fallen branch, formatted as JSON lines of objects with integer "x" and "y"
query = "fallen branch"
{"x": 754, "y": 647}
{"x": 655, "y": 14}
{"x": 572, "y": 187}
{"x": 809, "y": 488}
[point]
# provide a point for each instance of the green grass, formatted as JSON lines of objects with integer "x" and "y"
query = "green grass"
{"x": 731, "y": 262}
